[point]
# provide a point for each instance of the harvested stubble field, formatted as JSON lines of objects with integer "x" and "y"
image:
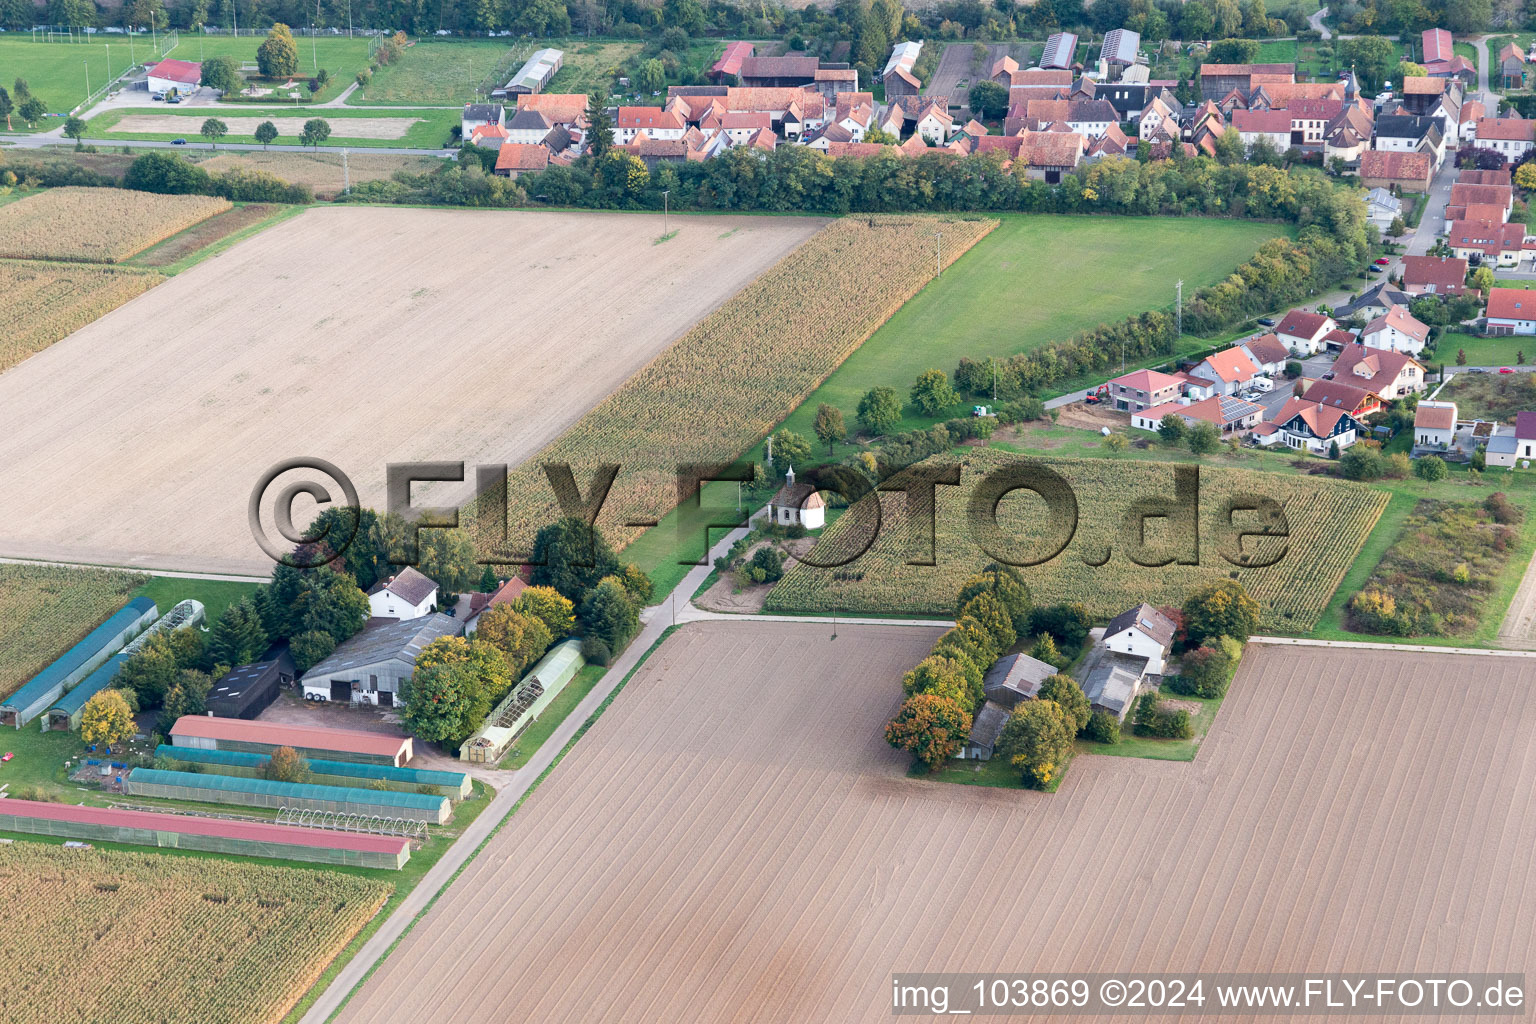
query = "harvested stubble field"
{"x": 710, "y": 851}
{"x": 47, "y": 301}
{"x": 136, "y": 938}
{"x": 1328, "y": 522}
{"x": 96, "y": 225}
{"x": 200, "y": 236}
{"x": 723, "y": 385}
{"x": 363, "y": 336}
{"x": 322, "y": 171}
{"x": 45, "y": 610}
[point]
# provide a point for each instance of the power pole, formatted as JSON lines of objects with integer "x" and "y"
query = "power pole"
{"x": 346, "y": 174}
{"x": 938, "y": 254}
{"x": 1178, "y": 309}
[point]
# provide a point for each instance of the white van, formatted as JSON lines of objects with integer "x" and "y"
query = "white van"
{"x": 1262, "y": 384}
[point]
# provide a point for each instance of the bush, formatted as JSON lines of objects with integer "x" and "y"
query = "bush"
{"x": 1102, "y": 727}
{"x": 596, "y": 651}
{"x": 1152, "y": 719}
{"x": 1503, "y": 512}
{"x": 770, "y": 561}
{"x": 1362, "y": 463}
{"x": 309, "y": 649}
{"x": 1430, "y": 468}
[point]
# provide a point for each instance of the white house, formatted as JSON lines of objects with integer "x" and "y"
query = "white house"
{"x": 1511, "y": 311}
{"x": 1268, "y": 353}
{"x": 662, "y": 124}
{"x": 1434, "y": 423}
{"x": 181, "y": 75}
{"x": 934, "y": 124}
{"x": 1396, "y": 331}
{"x": 1142, "y": 631}
{"x": 797, "y": 505}
{"x": 1230, "y": 369}
{"x": 408, "y": 595}
{"x": 477, "y": 114}
{"x": 1303, "y": 331}
{"x": 1382, "y": 207}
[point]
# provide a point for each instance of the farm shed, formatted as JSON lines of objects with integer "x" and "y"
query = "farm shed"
{"x": 214, "y": 835}
{"x": 371, "y": 667}
{"x": 65, "y": 714}
{"x": 534, "y": 75}
{"x": 246, "y": 691}
{"x": 454, "y": 785}
{"x": 78, "y": 662}
{"x": 525, "y": 703}
{"x": 234, "y": 789}
{"x": 310, "y": 740}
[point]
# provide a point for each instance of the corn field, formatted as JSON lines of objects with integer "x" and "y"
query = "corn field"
{"x": 131, "y": 938}
{"x": 45, "y": 610}
{"x": 97, "y": 225}
{"x": 1328, "y": 521}
{"x": 45, "y": 302}
{"x": 722, "y": 386}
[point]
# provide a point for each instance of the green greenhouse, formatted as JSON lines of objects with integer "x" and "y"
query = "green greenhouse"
{"x": 454, "y": 785}
{"x": 247, "y": 792}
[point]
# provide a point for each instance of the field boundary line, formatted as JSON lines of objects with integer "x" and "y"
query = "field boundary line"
{"x": 140, "y": 570}
{"x": 1296, "y": 641}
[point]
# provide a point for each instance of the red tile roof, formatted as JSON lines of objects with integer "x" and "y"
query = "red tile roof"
{"x": 1147, "y": 380}
{"x": 648, "y": 117}
{"x": 1340, "y": 395}
{"x": 1506, "y": 129}
{"x": 1273, "y": 122}
{"x": 1267, "y": 348}
{"x": 1399, "y": 319}
{"x": 1444, "y": 272}
{"x": 1512, "y": 303}
{"x": 1299, "y": 323}
{"x": 1435, "y": 417}
{"x": 557, "y": 107}
{"x": 314, "y": 737}
{"x": 730, "y": 61}
{"x": 1232, "y": 365}
{"x": 522, "y": 156}
{"x": 1465, "y": 193}
{"x": 1383, "y": 366}
{"x": 186, "y": 824}
{"x": 1475, "y": 176}
{"x": 183, "y": 71}
{"x": 1320, "y": 419}
{"x": 1376, "y": 163}
{"x": 1488, "y": 235}
{"x": 1437, "y": 44}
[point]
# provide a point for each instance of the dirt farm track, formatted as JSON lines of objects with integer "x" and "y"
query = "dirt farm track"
{"x": 733, "y": 841}
{"x": 362, "y": 336}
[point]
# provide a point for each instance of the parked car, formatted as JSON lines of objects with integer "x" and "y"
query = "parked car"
{"x": 1373, "y": 269}
{"x": 1266, "y": 321}
{"x": 1383, "y": 262}
{"x": 178, "y": 142}
{"x": 1506, "y": 369}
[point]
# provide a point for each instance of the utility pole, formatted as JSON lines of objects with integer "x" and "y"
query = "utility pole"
{"x": 87, "y": 65}
{"x": 938, "y": 254}
{"x": 770, "y": 451}
{"x": 313, "y": 58}
{"x": 346, "y": 174}
{"x": 154, "y": 43}
{"x": 1178, "y": 309}
{"x": 665, "y": 207}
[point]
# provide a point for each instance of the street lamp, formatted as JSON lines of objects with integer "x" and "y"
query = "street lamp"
{"x": 87, "y": 65}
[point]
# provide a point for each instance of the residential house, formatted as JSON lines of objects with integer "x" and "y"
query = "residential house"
{"x": 1348, "y": 135}
{"x": 1493, "y": 241}
{"x": 1142, "y": 389}
{"x": 1229, "y": 369}
{"x": 374, "y": 666}
{"x": 986, "y": 729}
{"x": 1434, "y": 275}
{"x": 1434, "y": 425}
{"x": 479, "y": 604}
{"x": 1523, "y": 448}
{"x": 1232, "y": 415}
{"x": 1389, "y": 374}
{"x": 1337, "y": 394}
{"x": 1268, "y": 353}
{"x": 1406, "y": 133}
{"x": 1114, "y": 683}
{"x": 1466, "y": 195}
{"x": 1114, "y": 142}
{"x": 1396, "y": 330}
{"x": 1049, "y": 155}
{"x": 1482, "y": 176}
{"x": 1014, "y": 678}
{"x": 934, "y": 124}
{"x": 1130, "y": 98}
{"x": 1060, "y": 52}
{"x": 660, "y": 123}
{"x": 1119, "y": 51}
{"x": 1510, "y": 137}
{"x": 797, "y": 504}
{"x": 477, "y": 114}
{"x": 491, "y": 136}
{"x": 1309, "y": 426}
{"x": 1091, "y": 118}
{"x": 1372, "y": 303}
{"x": 563, "y": 109}
{"x": 1472, "y": 111}
{"x": 406, "y": 595}
{"x": 1310, "y": 120}
{"x": 1406, "y": 172}
{"x": 525, "y": 126}
{"x": 727, "y": 70}
{"x": 1217, "y": 80}
{"x": 1272, "y": 126}
{"x": 1142, "y": 631}
{"x": 897, "y": 75}
{"x": 1303, "y": 331}
{"x": 1382, "y": 207}
{"x": 1158, "y": 115}
{"x": 739, "y": 127}
{"x": 855, "y": 111}
{"x": 1511, "y": 311}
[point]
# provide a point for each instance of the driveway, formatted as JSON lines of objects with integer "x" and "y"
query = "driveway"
{"x": 1316, "y": 23}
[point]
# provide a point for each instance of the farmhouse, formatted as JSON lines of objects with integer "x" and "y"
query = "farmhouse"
{"x": 372, "y": 666}
{"x": 1303, "y": 332}
{"x": 1217, "y": 80}
{"x": 517, "y": 158}
{"x": 211, "y": 733}
{"x": 215, "y": 835}
{"x": 1389, "y": 374}
{"x": 407, "y": 595}
{"x": 663, "y": 123}
{"x": 1511, "y": 311}
{"x": 1396, "y": 330}
{"x": 1142, "y": 631}
{"x": 1434, "y": 275}
{"x": 246, "y": 691}
{"x": 797, "y": 504}
{"x": 1143, "y": 389}
{"x": 1406, "y": 172}
{"x": 179, "y": 75}
{"x": 71, "y": 667}
{"x": 479, "y": 604}
{"x": 1015, "y": 677}
{"x": 1309, "y": 426}
{"x": 476, "y": 115}
{"x": 1434, "y": 424}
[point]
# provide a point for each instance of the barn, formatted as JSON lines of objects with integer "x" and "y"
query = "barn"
{"x": 212, "y": 733}
{"x": 247, "y": 792}
{"x": 43, "y": 689}
{"x": 454, "y": 785}
{"x": 371, "y": 667}
{"x": 213, "y": 835}
{"x": 245, "y": 692}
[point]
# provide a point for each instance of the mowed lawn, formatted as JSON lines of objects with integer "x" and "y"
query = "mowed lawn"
{"x": 441, "y": 72}
{"x": 57, "y": 72}
{"x": 341, "y": 57}
{"x": 425, "y": 129}
{"x": 1034, "y": 280}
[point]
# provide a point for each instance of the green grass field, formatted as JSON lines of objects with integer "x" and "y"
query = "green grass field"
{"x": 57, "y": 72}
{"x": 430, "y": 128}
{"x": 1035, "y": 280}
{"x": 341, "y": 57}
{"x": 1487, "y": 351}
{"x": 216, "y": 595}
{"x": 435, "y": 72}
{"x": 559, "y": 709}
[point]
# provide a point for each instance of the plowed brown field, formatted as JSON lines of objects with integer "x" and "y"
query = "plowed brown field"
{"x": 733, "y": 841}
{"x": 363, "y": 336}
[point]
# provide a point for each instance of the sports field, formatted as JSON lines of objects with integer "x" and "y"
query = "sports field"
{"x": 401, "y": 129}
{"x": 1034, "y": 280}
{"x": 733, "y": 840}
{"x": 363, "y": 336}
{"x": 342, "y": 58}
{"x": 57, "y": 72}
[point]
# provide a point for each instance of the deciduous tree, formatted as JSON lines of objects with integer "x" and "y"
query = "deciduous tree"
{"x": 1222, "y": 609}
{"x": 931, "y": 728}
{"x": 106, "y": 718}
{"x": 213, "y": 130}
{"x": 316, "y": 130}
{"x": 932, "y": 392}
{"x": 829, "y": 426}
{"x": 1037, "y": 740}
{"x": 1064, "y": 691}
{"x": 609, "y": 614}
{"x": 221, "y": 73}
{"x": 278, "y": 54}
{"x": 879, "y": 410}
{"x": 571, "y": 557}
{"x": 266, "y": 132}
